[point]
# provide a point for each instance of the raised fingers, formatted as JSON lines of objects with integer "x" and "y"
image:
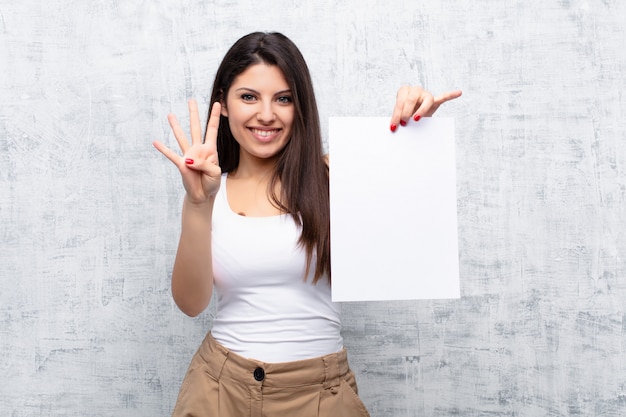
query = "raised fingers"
{"x": 179, "y": 133}
{"x": 194, "y": 122}
{"x": 213, "y": 124}
{"x": 167, "y": 152}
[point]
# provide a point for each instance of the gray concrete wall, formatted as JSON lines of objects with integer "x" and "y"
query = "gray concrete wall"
{"x": 89, "y": 212}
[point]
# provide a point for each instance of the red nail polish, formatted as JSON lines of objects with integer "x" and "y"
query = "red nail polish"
{"x": 188, "y": 161}
{"x": 417, "y": 117}
{"x": 393, "y": 127}
{"x": 402, "y": 123}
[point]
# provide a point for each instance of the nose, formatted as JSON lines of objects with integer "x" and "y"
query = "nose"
{"x": 266, "y": 113}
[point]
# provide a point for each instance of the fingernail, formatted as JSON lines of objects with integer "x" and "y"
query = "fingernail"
{"x": 417, "y": 117}
{"x": 188, "y": 161}
{"x": 402, "y": 123}
{"x": 393, "y": 127}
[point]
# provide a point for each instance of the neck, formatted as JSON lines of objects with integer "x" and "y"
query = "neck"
{"x": 250, "y": 168}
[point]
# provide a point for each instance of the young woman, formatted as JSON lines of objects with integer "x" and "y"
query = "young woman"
{"x": 255, "y": 225}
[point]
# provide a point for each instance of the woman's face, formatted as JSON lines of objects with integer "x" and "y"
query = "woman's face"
{"x": 260, "y": 111}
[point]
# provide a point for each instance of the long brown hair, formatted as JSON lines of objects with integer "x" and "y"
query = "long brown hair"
{"x": 300, "y": 169}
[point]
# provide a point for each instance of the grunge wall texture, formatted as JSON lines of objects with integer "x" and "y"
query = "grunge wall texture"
{"x": 89, "y": 211}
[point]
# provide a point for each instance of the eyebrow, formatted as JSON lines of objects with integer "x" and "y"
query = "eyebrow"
{"x": 252, "y": 90}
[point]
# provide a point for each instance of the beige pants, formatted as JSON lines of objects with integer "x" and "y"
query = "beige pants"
{"x": 220, "y": 383}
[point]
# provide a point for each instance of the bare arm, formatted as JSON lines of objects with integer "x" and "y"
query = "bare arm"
{"x": 192, "y": 276}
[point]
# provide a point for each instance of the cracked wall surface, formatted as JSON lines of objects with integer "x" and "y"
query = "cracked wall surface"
{"x": 90, "y": 212}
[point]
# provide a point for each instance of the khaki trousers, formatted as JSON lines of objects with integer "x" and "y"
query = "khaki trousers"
{"x": 220, "y": 383}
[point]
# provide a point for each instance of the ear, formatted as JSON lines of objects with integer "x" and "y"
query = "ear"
{"x": 224, "y": 111}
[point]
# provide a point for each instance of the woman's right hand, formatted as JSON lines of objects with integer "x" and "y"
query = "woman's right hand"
{"x": 199, "y": 164}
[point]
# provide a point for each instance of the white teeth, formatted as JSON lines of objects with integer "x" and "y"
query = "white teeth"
{"x": 264, "y": 133}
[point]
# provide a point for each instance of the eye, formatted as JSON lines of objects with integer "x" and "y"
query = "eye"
{"x": 284, "y": 99}
{"x": 247, "y": 97}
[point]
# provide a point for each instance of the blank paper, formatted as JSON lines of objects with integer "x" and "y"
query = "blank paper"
{"x": 393, "y": 210}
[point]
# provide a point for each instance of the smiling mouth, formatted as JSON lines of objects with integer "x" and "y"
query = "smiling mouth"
{"x": 264, "y": 133}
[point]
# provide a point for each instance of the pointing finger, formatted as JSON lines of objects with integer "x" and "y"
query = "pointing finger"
{"x": 450, "y": 95}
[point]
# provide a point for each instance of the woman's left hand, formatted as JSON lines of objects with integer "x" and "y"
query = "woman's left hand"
{"x": 414, "y": 102}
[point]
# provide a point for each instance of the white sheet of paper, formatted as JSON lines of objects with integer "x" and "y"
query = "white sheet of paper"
{"x": 393, "y": 210}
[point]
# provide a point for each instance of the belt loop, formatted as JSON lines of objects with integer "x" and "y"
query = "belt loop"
{"x": 332, "y": 371}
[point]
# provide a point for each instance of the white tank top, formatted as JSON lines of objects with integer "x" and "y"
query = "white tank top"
{"x": 265, "y": 308}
